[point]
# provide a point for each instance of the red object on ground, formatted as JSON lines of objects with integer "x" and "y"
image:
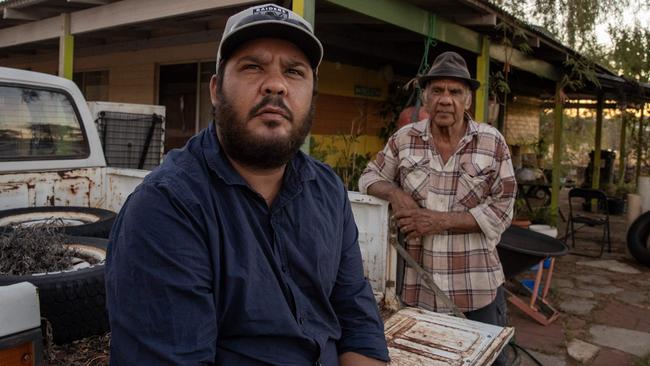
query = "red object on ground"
{"x": 406, "y": 115}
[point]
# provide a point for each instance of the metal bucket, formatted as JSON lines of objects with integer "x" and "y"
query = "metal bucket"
{"x": 520, "y": 249}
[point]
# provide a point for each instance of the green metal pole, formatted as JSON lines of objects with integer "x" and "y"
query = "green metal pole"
{"x": 639, "y": 147}
{"x": 558, "y": 116}
{"x": 66, "y": 48}
{"x": 622, "y": 150}
{"x": 483, "y": 75}
{"x": 595, "y": 176}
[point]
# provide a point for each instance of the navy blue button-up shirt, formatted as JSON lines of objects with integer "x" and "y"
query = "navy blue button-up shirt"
{"x": 201, "y": 271}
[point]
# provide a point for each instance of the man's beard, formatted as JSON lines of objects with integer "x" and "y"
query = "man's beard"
{"x": 259, "y": 152}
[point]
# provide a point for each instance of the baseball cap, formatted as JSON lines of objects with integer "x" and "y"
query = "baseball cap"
{"x": 270, "y": 21}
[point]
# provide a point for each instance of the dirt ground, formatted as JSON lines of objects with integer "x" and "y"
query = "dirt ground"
{"x": 589, "y": 300}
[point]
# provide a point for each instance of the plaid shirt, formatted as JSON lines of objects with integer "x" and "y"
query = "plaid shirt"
{"x": 478, "y": 178}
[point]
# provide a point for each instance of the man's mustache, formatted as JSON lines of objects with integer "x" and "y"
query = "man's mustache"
{"x": 274, "y": 101}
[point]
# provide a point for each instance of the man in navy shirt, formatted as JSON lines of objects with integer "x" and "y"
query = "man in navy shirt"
{"x": 240, "y": 249}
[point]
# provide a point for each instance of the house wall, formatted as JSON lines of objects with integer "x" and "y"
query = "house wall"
{"x": 349, "y": 97}
{"x": 522, "y": 121}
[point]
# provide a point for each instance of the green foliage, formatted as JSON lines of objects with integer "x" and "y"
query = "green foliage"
{"x": 631, "y": 53}
{"x": 579, "y": 71}
{"x": 349, "y": 162}
{"x": 643, "y": 361}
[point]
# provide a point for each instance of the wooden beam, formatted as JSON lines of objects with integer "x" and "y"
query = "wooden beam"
{"x": 474, "y": 19}
{"x": 346, "y": 18}
{"x": 168, "y": 41}
{"x": 570, "y": 105}
{"x": 639, "y": 147}
{"x": 524, "y": 62}
{"x": 94, "y": 2}
{"x": 622, "y": 151}
{"x": 415, "y": 19}
{"x": 595, "y": 176}
{"x": 483, "y": 75}
{"x": 10, "y": 13}
{"x": 127, "y": 12}
{"x": 49, "y": 28}
{"x": 558, "y": 121}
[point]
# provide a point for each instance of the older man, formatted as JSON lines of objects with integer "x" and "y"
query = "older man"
{"x": 240, "y": 249}
{"x": 451, "y": 186}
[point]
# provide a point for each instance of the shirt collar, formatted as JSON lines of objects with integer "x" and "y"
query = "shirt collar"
{"x": 423, "y": 128}
{"x": 297, "y": 169}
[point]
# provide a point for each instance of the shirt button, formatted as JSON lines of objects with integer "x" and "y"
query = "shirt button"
{"x": 284, "y": 269}
{"x": 300, "y": 320}
{"x": 317, "y": 363}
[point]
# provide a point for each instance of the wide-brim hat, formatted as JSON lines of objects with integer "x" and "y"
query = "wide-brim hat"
{"x": 270, "y": 21}
{"x": 449, "y": 65}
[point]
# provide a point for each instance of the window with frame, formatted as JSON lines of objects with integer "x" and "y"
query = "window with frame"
{"x": 93, "y": 84}
{"x": 39, "y": 124}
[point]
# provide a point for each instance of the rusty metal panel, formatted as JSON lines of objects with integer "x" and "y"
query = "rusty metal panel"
{"x": 119, "y": 185}
{"x": 82, "y": 187}
{"x": 13, "y": 194}
{"x": 420, "y": 337}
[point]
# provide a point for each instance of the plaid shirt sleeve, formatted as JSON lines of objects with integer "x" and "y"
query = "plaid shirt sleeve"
{"x": 383, "y": 169}
{"x": 495, "y": 214}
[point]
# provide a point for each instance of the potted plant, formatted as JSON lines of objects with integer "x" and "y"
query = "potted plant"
{"x": 543, "y": 221}
{"x": 521, "y": 214}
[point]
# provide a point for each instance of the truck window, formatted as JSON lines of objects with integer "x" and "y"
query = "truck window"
{"x": 39, "y": 124}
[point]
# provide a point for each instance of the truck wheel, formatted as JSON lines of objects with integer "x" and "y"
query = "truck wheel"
{"x": 72, "y": 300}
{"x": 638, "y": 237}
{"x": 77, "y": 221}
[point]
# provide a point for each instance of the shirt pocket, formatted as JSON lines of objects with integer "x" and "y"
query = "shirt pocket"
{"x": 474, "y": 185}
{"x": 415, "y": 177}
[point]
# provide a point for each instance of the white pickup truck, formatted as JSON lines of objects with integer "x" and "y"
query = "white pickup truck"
{"x": 51, "y": 155}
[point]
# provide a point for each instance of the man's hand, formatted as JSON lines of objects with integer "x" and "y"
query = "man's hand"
{"x": 400, "y": 200}
{"x": 415, "y": 223}
{"x": 418, "y": 222}
{"x": 356, "y": 359}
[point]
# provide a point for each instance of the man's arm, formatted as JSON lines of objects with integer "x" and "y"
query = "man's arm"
{"x": 392, "y": 193}
{"x": 362, "y": 330}
{"x": 159, "y": 290}
{"x": 418, "y": 222}
{"x": 379, "y": 179}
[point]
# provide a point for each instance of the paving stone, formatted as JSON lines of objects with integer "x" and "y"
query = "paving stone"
{"x": 582, "y": 351}
{"x": 575, "y": 323}
{"x": 630, "y": 341}
{"x": 604, "y": 290}
{"x": 592, "y": 279}
{"x": 543, "y": 358}
{"x": 577, "y": 306}
{"x": 532, "y": 335}
{"x": 633, "y": 297}
{"x": 586, "y": 294}
{"x": 611, "y": 265}
{"x": 612, "y": 357}
{"x": 561, "y": 283}
{"x": 622, "y": 315}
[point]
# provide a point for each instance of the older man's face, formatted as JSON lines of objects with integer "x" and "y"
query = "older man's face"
{"x": 446, "y": 100}
{"x": 264, "y": 109}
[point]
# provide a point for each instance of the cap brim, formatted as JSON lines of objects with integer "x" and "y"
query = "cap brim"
{"x": 473, "y": 84}
{"x": 305, "y": 41}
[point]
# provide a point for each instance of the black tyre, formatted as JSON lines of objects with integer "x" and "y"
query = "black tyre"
{"x": 77, "y": 221}
{"x": 72, "y": 301}
{"x": 638, "y": 236}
